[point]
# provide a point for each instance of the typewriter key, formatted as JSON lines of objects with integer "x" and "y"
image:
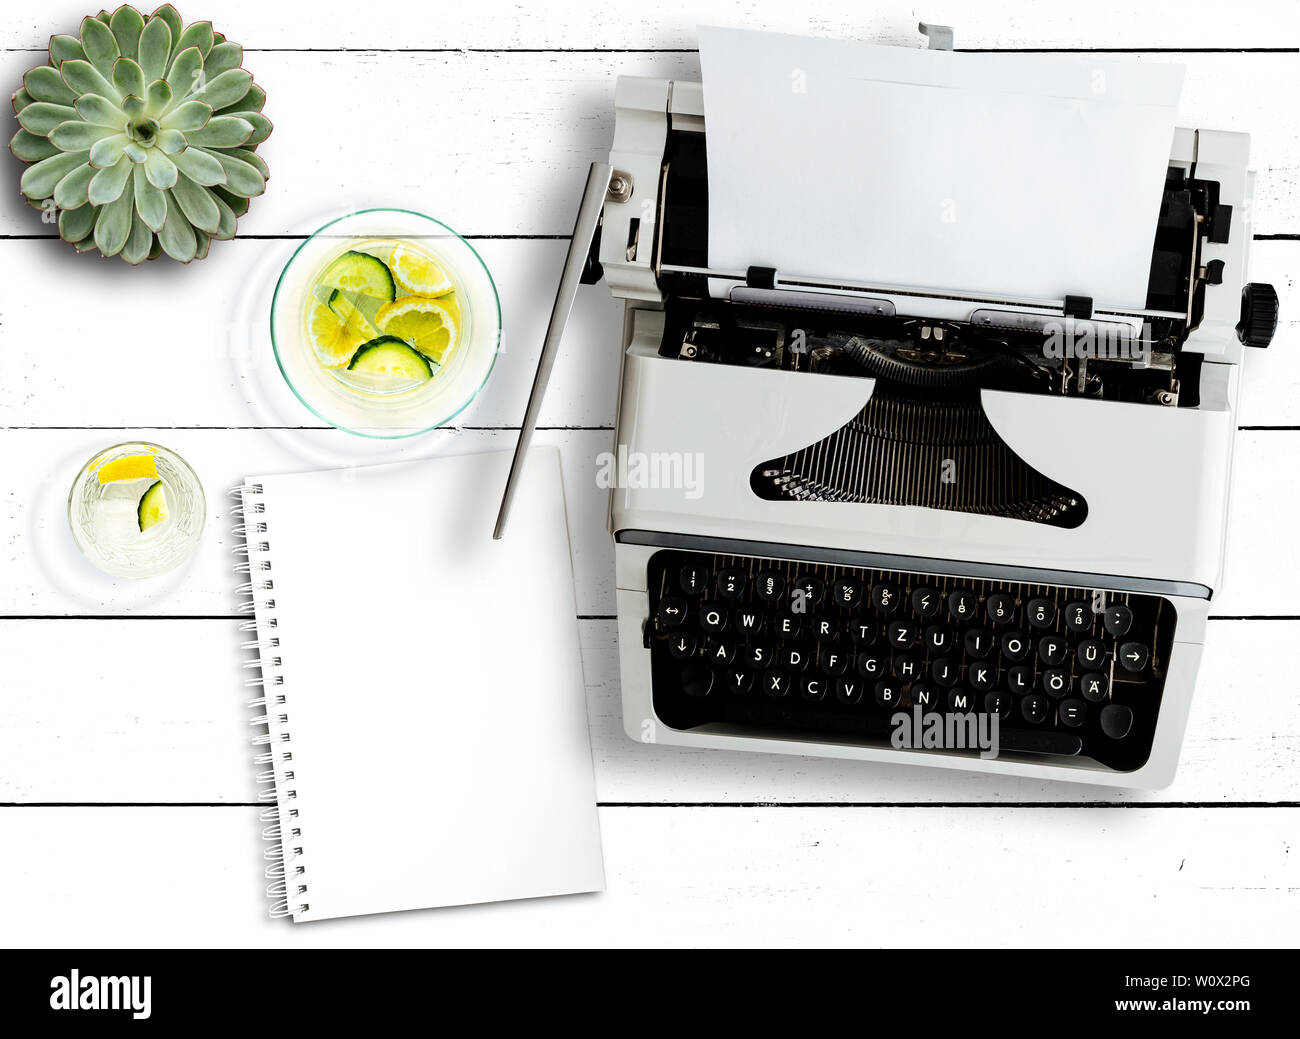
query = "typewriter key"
{"x": 1118, "y": 619}
{"x": 1116, "y": 720}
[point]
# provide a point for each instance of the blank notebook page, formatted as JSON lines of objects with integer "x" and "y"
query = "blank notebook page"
{"x": 434, "y": 706}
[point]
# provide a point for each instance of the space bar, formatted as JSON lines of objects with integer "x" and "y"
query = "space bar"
{"x": 1026, "y": 741}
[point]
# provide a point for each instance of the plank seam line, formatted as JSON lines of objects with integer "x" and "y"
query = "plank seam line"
{"x": 579, "y": 616}
{"x": 301, "y": 429}
{"x": 1198, "y": 805}
{"x": 695, "y": 50}
{"x": 443, "y": 429}
{"x": 1260, "y": 236}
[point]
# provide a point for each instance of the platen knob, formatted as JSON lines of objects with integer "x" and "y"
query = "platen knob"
{"x": 1258, "y": 314}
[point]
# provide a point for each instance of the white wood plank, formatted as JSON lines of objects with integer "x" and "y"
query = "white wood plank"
{"x": 44, "y": 574}
{"x": 671, "y": 23}
{"x": 194, "y": 357}
{"x": 177, "y": 350}
{"x": 702, "y": 877}
{"x": 142, "y": 711}
{"x": 499, "y": 143}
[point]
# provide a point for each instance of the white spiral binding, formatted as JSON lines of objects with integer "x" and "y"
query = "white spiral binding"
{"x": 285, "y": 871}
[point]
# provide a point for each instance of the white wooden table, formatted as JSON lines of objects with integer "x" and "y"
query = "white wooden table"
{"x": 125, "y": 772}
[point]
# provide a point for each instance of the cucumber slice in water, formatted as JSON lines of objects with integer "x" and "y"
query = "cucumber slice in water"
{"x": 152, "y": 509}
{"x": 361, "y": 272}
{"x": 389, "y": 355}
{"x": 354, "y": 310}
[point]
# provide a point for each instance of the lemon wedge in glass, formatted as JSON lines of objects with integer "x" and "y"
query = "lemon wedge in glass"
{"x": 427, "y": 324}
{"x": 131, "y": 467}
{"x": 334, "y": 341}
{"x": 416, "y": 273}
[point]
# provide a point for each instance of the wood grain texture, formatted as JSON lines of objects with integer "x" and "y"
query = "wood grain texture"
{"x": 45, "y": 574}
{"x": 568, "y": 24}
{"x": 155, "y": 711}
{"x": 703, "y": 877}
{"x": 200, "y": 352}
{"x": 487, "y": 115}
{"x": 498, "y": 143}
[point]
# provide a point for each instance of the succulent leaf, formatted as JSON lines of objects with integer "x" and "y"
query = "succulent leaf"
{"x": 187, "y": 117}
{"x": 201, "y": 167}
{"x": 83, "y": 78}
{"x": 226, "y": 89}
{"x": 226, "y": 229}
{"x": 114, "y": 223}
{"x": 199, "y": 34}
{"x": 177, "y": 237}
{"x": 127, "y": 23}
{"x": 253, "y": 101}
{"x": 253, "y": 159}
{"x": 241, "y": 178}
{"x": 170, "y": 142}
{"x": 186, "y": 74}
{"x": 107, "y": 184}
{"x": 150, "y": 201}
{"x": 100, "y": 45}
{"x": 128, "y": 77}
{"x": 198, "y": 205}
{"x": 261, "y": 126}
{"x": 100, "y": 111}
{"x": 44, "y": 83}
{"x": 41, "y": 179}
{"x": 65, "y": 48}
{"x": 75, "y": 224}
{"x": 237, "y": 204}
{"x": 158, "y": 97}
{"x": 160, "y": 169}
{"x": 107, "y": 151}
{"x": 223, "y": 58}
{"x": 155, "y": 48}
{"x": 224, "y": 131}
{"x": 41, "y": 117}
{"x": 30, "y": 147}
{"x": 142, "y": 133}
{"x": 71, "y": 191}
{"x": 172, "y": 17}
{"x": 139, "y": 242}
{"x": 75, "y": 136}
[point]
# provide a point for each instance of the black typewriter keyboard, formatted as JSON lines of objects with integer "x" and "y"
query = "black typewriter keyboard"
{"x": 762, "y": 646}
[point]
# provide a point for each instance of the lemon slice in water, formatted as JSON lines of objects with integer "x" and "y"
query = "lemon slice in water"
{"x": 426, "y": 324}
{"x": 132, "y": 467}
{"x": 333, "y": 341}
{"x": 416, "y": 273}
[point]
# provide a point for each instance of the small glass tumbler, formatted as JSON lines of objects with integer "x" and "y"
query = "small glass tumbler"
{"x": 136, "y": 510}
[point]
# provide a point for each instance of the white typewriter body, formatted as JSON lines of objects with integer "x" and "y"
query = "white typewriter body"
{"x": 734, "y": 417}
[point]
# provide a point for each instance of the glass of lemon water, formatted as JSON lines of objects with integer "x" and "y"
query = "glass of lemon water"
{"x": 386, "y": 323}
{"x": 136, "y": 510}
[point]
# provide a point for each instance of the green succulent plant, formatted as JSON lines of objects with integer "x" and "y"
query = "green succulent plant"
{"x": 140, "y": 135}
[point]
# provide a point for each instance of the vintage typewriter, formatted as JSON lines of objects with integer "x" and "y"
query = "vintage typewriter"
{"x": 909, "y": 503}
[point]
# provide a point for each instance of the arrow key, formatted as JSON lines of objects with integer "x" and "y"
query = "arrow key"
{"x": 671, "y": 613}
{"x": 682, "y": 646}
{"x": 1133, "y": 656}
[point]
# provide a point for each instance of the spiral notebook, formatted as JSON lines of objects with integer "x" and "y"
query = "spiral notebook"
{"x": 425, "y": 720}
